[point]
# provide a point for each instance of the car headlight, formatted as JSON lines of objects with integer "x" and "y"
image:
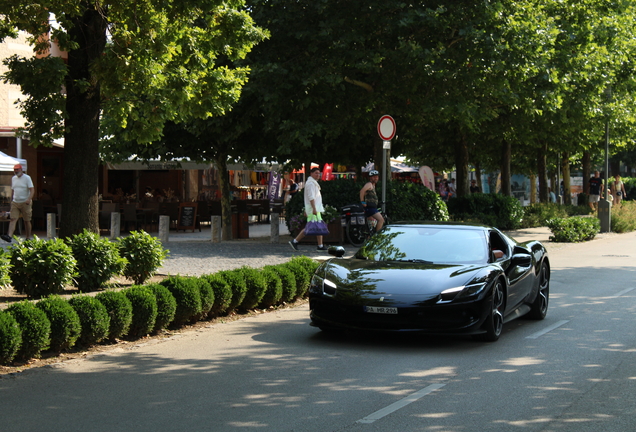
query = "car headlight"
{"x": 322, "y": 285}
{"x": 462, "y": 292}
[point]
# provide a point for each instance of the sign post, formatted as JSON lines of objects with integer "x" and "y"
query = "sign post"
{"x": 386, "y": 130}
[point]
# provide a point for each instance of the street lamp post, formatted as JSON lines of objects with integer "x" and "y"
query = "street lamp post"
{"x": 605, "y": 205}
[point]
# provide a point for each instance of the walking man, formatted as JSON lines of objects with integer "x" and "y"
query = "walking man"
{"x": 23, "y": 191}
{"x": 313, "y": 205}
{"x": 369, "y": 200}
{"x": 595, "y": 190}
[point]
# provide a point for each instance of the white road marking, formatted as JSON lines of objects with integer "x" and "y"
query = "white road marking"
{"x": 547, "y": 330}
{"x": 400, "y": 404}
{"x": 625, "y": 291}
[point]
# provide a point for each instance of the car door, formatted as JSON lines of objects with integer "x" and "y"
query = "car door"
{"x": 519, "y": 274}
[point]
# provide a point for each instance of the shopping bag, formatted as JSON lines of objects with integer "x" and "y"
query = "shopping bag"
{"x": 316, "y": 226}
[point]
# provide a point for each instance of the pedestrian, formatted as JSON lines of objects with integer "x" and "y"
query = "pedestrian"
{"x": 618, "y": 189}
{"x": 369, "y": 200}
{"x": 23, "y": 191}
{"x": 452, "y": 192}
{"x": 313, "y": 205}
{"x": 292, "y": 189}
{"x": 443, "y": 190}
{"x": 473, "y": 187}
{"x": 595, "y": 190}
{"x": 552, "y": 195}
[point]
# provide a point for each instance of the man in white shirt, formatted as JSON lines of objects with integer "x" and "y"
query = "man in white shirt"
{"x": 23, "y": 191}
{"x": 313, "y": 205}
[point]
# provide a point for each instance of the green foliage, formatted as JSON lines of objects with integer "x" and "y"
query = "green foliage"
{"x": 236, "y": 281}
{"x": 624, "y": 217}
{"x": 256, "y": 287}
{"x": 65, "y": 323}
{"x": 10, "y": 337}
{"x": 186, "y": 292}
{"x": 573, "y": 229}
{"x": 35, "y": 327}
{"x": 97, "y": 260}
{"x": 166, "y": 306}
{"x": 144, "y": 254}
{"x": 301, "y": 275}
{"x": 500, "y": 211}
{"x": 94, "y": 318}
{"x": 222, "y": 294}
{"x": 274, "y": 291}
{"x": 288, "y": 281}
{"x": 5, "y": 268}
{"x": 144, "y": 304}
{"x": 207, "y": 295}
{"x": 41, "y": 267}
{"x": 120, "y": 311}
{"x": 538, "y": 214}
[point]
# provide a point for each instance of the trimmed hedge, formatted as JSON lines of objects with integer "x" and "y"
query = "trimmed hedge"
{"x": 94, "y": 318}
{"x": 97, "y": 260}
{"x": 236, "y": 281}
{"x": 120, "y": 311}
{"x": 166, "y": 306}
{"x": 144, "y": 304}
{"x": 222, "y": 294}
{"x": 274, "y": 291}
{"x": 10, "y": 337}
{"x": 574, "y": 229}
{"x": 66, "y": 326}
{"x": 186, "y": 292}
{"x": 288, "y": 281}
{"x": 256, "y": 287}
{"x": 207, "y": 296}
{"x": 35, "y": 328}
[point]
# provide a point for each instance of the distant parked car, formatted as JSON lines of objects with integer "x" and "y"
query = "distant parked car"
{"x": 437, "y": 278}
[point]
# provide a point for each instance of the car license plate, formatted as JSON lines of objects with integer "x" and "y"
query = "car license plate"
{"x": 381, "y": 310}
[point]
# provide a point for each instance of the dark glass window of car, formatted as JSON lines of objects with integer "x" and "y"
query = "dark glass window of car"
{"x": 442, "y": 245}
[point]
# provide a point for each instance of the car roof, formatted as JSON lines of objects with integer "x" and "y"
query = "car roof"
{"x": 443, "y": 225}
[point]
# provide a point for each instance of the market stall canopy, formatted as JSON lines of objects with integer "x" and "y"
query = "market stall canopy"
{"x": 7, "y": 162}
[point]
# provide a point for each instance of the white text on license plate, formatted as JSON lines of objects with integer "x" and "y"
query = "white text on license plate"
{"x": 381, "y": 310}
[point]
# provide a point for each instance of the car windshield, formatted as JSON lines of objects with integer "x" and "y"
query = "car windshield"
{"x": 426, "y": 244}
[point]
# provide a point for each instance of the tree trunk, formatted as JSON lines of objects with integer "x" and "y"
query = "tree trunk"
{"x": 565, "y": 170}
{"x": 533, "y": 188}
{"x": 226, "y": 209}
{"x": 506, "y": 155}
{"x": 461, "y": 166}
{"x": 80, "y": 207}
{"x": 542, "y": 173}
{"x": 587, "y": 171}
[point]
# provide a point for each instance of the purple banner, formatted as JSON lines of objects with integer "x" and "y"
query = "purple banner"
{"x": 274, "y": 186}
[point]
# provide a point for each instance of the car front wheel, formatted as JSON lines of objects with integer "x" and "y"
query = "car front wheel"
{"x": 539, "y": 308}
{"x": 495, "y": 319}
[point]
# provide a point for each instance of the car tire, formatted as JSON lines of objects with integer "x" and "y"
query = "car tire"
{"x": 539, "y": 308}
{"x": 494, "y": 321}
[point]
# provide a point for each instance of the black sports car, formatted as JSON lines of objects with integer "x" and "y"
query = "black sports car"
{"x": 438, "y": 278}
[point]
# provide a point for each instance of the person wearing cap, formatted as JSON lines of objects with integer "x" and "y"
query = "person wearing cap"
{"x": 23, "y": 191}
{"x": 369, "y": 200}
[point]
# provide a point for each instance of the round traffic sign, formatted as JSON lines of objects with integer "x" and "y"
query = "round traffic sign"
{"x": 386, "y": 128}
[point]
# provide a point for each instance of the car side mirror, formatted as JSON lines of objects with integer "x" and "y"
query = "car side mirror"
{"x": 337, "y": 251}
{"x": 522, "y": 259}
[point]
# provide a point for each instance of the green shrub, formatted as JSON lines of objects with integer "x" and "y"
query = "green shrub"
{"x": 256, "y": 287}
{"x": 222, "y": 294}
{"x": 537, "y": 215}
{"x": 97, "y": 259}
{"x": 41, "y": 267}
{"x": 35, "y": 328}
{"x": 301, "y": 275}
{"x": 186, "y": 292}
{"x": 93, "y": 317}
{"x": 144, "y": 254}
{"x": 120, "y": 311}
{"x": 624, "y": 217}
{"x": 573, "y": 229}
{"x": 500, "y": 211}
{"x": 274, "y": 290}
{"x": 288, "y": 281}
{"x": 65, "y": 323}
{"x": 10, "y": 337}
{"x": 166, "y": 306}
{"x": 309, "y": 264}
{"x": 5, "y": 268}
{"x": 236, "y": 281}
{"x": 144, "y": 305}
{"x": 207, "y": 296}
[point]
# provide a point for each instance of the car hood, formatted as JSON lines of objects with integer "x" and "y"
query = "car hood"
{"x": 390, "y": 278}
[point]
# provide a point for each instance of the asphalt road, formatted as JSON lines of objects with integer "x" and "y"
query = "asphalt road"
{"x": 574, "y": 371}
